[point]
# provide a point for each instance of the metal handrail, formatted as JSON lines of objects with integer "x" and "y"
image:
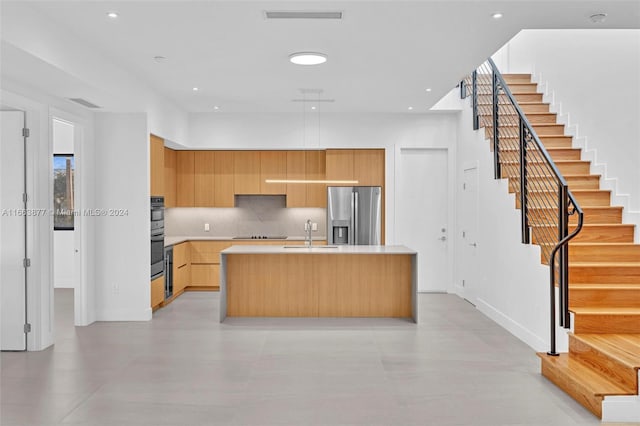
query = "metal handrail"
{"x": 542, "y": 163}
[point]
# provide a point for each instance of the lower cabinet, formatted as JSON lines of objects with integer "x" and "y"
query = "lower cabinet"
{"x": 157, "y": 292}
{"x": 181, "y": 267}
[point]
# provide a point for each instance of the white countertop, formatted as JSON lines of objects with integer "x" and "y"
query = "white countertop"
{"x": 344, "y": 249}
{"x": 173, "y": 240}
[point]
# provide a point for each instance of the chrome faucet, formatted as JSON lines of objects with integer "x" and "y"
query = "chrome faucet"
{"x": 308, "y": 236}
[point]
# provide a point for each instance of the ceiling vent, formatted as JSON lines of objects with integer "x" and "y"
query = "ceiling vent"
{"x": 302, "y": 14}
{"x": 84, "y": 103}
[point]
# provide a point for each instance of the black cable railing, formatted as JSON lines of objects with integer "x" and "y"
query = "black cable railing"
{"x": 543, "y": 195}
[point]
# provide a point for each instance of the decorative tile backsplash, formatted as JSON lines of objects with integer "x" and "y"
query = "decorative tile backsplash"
{"x": 253, "y": 215}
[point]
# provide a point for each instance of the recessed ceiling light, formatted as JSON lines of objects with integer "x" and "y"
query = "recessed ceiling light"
{"x": 112, "y": 15}
{"x": 195, "y": 89}
{"x": 497, "y": 15}
{"x": 598, "y": 18}
{"x": 428, "y": 89}
{"x": 313, "y": 107}
{"x": 410, "y": 108}
{"x": 308, "y": 58}
{"x": 216, "y": 108}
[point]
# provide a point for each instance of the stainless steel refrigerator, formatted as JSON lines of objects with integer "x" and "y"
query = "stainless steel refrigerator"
{"x": 354, "y": 215}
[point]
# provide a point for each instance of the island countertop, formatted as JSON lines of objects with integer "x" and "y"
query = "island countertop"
{"x": 318, "y": 249}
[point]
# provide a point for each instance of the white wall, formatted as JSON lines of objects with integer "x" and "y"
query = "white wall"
{"x": 511, "y": 285}
{"x": 122, "y": 242}
{"x": 592, "y": 79}
{"x": 63, "y": 241}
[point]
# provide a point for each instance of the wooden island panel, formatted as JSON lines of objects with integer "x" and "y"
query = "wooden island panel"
{"x": 324, "y": 285}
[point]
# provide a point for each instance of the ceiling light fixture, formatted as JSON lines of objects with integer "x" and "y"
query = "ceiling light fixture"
{"x": 195, "y": 89}
{"x": 428, "y": 89}
{"x": 308, "y": 58}
{"x": 112, "y": 15}
{"x": 598, "y": 18}
{"x": 216, "y": 108}
{"x": 410, "y": 108}
{"x": 497, "y": 15}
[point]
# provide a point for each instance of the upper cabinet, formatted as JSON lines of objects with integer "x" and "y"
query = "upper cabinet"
{"x": 315, "y": 169}
{"x": 273, "y": 165}
{"x": 296, "y": 169}
{"x": 246, "y": 176}
{"x": 224, "y": 181}
{"x": 204, "y": 178}
{"x": 185, "y": 187}
{"x": 156, "y": 156}
{"x": 170, "y": 170}
{"x": 363, "y": 165}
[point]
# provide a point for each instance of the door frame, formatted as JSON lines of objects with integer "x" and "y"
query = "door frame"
{"x": 451, "y": 170}
{"x": 84, "y": 313}
{"x": 463, "y": 270}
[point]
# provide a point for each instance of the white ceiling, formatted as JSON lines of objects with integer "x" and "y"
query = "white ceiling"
{"x": 382, "y": 55}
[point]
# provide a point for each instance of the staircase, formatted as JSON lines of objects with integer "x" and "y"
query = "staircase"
{"x": 604, "y": 262}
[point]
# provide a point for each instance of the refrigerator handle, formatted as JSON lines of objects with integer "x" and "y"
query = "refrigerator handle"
{"x": 355, "y": 217}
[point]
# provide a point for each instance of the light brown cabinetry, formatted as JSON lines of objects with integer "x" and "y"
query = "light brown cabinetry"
{"x": 223, "y": 185}
{"x": 156, "y": 163}
{"x": 205, "y": 264}
{"x": 363, "y": 165}
{"x": 157, "y": 292}
{"x": 315, "y": 162}
{"x": 185, "y": 178}
{"x": 296, "y": 169}
{"x": 273, "y": 165}
{"x": 339, "y": 165}
{"x": 170, "y": 170}
{"x": 246, "y": 176}
{"x": 204, "y": 178}
{"x": 306, "y": 165}
{"x": 181, "y": 267}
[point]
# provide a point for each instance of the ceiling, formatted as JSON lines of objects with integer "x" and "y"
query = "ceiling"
{"x": 383, "y": 55}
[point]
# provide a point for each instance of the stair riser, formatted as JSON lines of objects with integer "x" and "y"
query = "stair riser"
{"x": 518, "y": 87}
{"x": 624, "y": 253}
{"x": 599, "y": 361}
{"x": 572, "y": 168}
{"x": 556, "y": 154}
{"x": 508, "y": 118}
{"x": 486, "y": 98}
{"x": 603, "y": 298}
{"x": 541, "y": 130}
{"x": 509, "y": 109}
{"x": 556, "y": 142}
{"x": 606, "y": 324}
{"x": 517, "y": 78}
{"x": 590, "y": 182}
{"x": 591, "y": 402}
{"x": 535, "y": 97}
{"x": 604, "y": 274}
{"x": 591, "y": 217}
{"x": 596, "y": 198}
{"x": 528, "y": 108}
{"x": 590, "y": 234}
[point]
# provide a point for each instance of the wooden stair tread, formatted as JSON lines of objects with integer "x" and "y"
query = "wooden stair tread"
{"x": 624, "y": 348}
{"x": 606, "y": 263}
{"x": 590, "y": 225}
{"x": 592, "y": 381}
{"x": 605, "y": 244}
{"x": 594, "y": 310}
{"x": 604, "y": 286}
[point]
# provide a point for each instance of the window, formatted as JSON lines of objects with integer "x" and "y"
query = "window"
{"x": 63, "y": 205}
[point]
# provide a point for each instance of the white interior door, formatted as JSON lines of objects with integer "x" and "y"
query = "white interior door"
{"x": 12, "y": 233}
{"x": 421, "y": 215}
{"x": 469, "y": 228}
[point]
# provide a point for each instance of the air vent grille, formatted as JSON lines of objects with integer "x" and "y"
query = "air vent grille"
{"x": 84, "y": 103}
{"x": 302, "y": 14}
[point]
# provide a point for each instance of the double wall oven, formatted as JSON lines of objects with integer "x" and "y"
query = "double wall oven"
{"x": 157, "y": 237}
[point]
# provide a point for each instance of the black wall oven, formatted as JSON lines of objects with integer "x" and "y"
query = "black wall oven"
{"x": 157, "y": 237}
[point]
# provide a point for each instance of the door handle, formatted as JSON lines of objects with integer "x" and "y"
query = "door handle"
{"x": 473, "y": 244}
{"x": 443, "y": 238}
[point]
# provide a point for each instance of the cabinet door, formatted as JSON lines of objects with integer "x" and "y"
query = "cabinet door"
{"x": 246, "y": 172}
{"x": 273, "y": 165}
{"x": 169, "y": 177}
{"x": 315, "y": 170}
{"x": 157, "y": 291}
{"x": 296, "y": 169}
{"x": 340, "y": 165}
{"x": 368, "y": 167}
{"x": 156, "y": 165}
{"x": 184, "y": 179}
{"x": 205, "y": 275}
{"x": 204, "y": 177}
{"x": 223, "y": 182}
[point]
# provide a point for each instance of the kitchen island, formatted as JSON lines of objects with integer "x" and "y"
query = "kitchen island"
{"x": 322, "y": 281}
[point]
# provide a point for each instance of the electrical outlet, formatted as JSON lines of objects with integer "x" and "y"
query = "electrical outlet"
{"x": 314, "y": 226}
{"x": 206, "y": 227}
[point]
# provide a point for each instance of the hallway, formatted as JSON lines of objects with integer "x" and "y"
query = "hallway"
{"x": 456, "y": 367}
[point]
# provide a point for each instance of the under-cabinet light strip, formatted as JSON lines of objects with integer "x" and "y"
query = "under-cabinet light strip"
{"x": 337, "y": 182}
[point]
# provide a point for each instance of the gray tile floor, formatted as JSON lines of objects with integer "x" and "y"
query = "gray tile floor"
{"x": 184, "y": 368}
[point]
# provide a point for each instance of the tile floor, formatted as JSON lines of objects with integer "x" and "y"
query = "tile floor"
{"x": 184, "y": 368}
